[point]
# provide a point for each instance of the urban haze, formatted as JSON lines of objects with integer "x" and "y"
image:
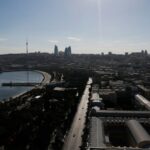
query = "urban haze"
{"x": 74, "y": 75}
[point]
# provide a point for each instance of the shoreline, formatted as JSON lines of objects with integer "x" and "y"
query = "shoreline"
{"x": 46, "y": 77}
{"x": 42, "y": 73}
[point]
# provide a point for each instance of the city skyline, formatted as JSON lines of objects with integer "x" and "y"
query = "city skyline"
{"x": 88, "y": 26}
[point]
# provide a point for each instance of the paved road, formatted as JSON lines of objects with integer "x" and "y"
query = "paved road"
{"x": 74, "y": 140}
{"x": 47, "y": 77}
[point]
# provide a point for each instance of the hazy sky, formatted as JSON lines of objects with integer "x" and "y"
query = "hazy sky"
{"x": 89, "y": 26}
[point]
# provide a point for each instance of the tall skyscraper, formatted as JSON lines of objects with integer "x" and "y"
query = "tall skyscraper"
{"x": 68, "y": 51}
{"x": 56, "y": 52}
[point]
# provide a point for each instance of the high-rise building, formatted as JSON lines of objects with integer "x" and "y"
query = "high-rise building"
{"x": 109, "y": 53}
{"x": 146, "y": 53}
{"x": 56, "y": 52}
{"x": 126, "y": 53}
{"x": 68, "y": 51}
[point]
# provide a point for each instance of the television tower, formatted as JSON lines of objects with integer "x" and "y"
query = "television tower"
{"x": 27, "y": 46}
{"x": 27, "y": 61}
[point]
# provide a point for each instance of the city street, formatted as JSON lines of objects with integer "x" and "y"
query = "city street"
{"x": 74, "y": 138}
